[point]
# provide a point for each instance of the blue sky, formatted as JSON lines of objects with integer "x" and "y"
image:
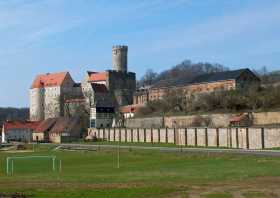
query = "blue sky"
{"x": 40, "y": 36}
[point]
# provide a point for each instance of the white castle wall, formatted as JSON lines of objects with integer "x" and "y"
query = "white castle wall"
{"x": 36, "y": 98}
{"x": 243, "y": 138}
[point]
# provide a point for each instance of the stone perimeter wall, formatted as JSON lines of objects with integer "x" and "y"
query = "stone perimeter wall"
{"x": 245, "y": 138}
{"x": 217, "y": 120}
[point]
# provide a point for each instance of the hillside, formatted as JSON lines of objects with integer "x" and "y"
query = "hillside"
{"x": 186, "y": 69}
{"x": 10, "y": 113}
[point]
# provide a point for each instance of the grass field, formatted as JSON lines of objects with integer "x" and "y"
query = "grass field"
{"x": 141, "y": 174}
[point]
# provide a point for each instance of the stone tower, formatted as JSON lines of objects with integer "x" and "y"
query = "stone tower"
{"x": 119, "y": 54}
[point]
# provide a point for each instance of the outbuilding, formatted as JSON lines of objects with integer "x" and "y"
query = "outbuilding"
{"x": 20, "y": 131}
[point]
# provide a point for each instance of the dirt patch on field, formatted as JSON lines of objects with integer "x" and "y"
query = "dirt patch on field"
{"x": 267, "y": 186}
{"x": 12, "y": 195}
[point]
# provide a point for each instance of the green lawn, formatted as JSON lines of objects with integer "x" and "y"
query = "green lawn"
{"x": 141, "y": 173}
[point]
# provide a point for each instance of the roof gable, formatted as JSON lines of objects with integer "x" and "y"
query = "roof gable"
{"x": 64, "y": 124}
{"x": 45, "y": 125}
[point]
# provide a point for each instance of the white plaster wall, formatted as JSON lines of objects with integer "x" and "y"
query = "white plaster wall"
{"x": 106, "y": 134}
{"x": 242, "y": 138}
{"x": 191, "y": 136}
{"x": 181, "y": 140}
{"x": 129, "y": 135}
{"x": 201, "y": 137}
{"x": 212, "y": 137}
{"x": 155, "y": 135}
{"x": 170, "y": 134}
{"x": 135, "y": 135}
{"x": 272, "y": 137}
{"x": 111, "y": 134}
{"x": 148, "y": 135}
{"x": 36, "y": 99}
{"x": 117, "y": 134}
{"x": 255, "y": 138}
{"x": 122, "y": 135}
{"x": 223, "y": 137}
{"x": 163, "y": 135}
{"x": 141, "y": 135}
{"x": 52, "y": 102}
{"x": 233, "y": 137}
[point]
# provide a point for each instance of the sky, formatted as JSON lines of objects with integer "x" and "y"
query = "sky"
{"x": 41, "y": 36}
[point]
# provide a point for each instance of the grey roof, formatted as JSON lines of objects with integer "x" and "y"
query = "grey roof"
{"x": 65, "y": 124}
{"x": 204, "y": 78}
{"x": 219, "y": 76}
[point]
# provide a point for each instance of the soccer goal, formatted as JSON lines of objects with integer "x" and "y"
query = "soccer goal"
{"x": 42, "y": 163}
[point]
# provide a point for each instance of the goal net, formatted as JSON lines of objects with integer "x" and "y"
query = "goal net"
{"x": 32, "y": 164}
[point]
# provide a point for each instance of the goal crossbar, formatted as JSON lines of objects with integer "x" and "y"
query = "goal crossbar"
{"x": 10, "y": 160}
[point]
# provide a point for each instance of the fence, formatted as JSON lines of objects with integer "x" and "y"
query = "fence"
{"x": 246, "y": 138}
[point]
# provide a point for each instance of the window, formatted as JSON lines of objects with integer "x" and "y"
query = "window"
{"x": 92, "y": 123}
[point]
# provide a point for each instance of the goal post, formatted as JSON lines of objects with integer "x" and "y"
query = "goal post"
{"x": 10, "y": 162}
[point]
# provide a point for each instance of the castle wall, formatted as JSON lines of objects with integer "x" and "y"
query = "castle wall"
{"x": 53, "y": 100}
{"x": 36, "y": 98}
{"x": 123, "y": 86}
{"x": 242, "y": 138}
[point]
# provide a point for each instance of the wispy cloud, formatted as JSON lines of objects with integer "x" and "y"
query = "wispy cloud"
{"x": 251, "y": 21}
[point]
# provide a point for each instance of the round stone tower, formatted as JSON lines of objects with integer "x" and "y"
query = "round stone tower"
{"x": 119, "y": 54}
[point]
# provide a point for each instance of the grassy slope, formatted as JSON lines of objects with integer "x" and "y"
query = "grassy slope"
{"x": 142, "y": 173}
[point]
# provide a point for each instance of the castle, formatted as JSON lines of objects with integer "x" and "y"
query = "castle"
{"x": 99, "y": 94}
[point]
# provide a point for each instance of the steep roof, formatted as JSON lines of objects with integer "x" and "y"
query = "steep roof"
{"x": 32, "y": 125}
{"x": 45, "y": 125}
{"x": 49, "y": 80}
{"x": 99, "y": 88}
{"x": 97, "y": 76}
{"x": 204, "y": 78}
{"x": 64, "y": 124}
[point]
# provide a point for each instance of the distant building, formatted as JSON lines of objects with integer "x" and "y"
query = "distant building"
{"x": 129, "y": 110}
{"x": 228, "y": 80}
{"x": 48, "y": 92}
{"x": 41, "y": 133}
{"x": 20, "y": 131}
{"x": 65, "y": 130}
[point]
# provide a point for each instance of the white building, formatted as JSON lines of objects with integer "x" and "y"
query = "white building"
{"x": 47, "y": 93}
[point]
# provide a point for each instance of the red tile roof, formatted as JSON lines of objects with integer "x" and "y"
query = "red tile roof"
{"x": 238, "y": 118}
{"x": 130, "y": 108}
{"x": 8, "y": 125}
{"x": 95, "y": 76}
{"x": 49, "y": 80}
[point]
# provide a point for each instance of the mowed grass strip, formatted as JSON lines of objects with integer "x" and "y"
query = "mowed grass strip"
{"x": 154, "y": 172}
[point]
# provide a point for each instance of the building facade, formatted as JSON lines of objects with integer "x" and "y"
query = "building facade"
{"x": 206, "y": 83}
